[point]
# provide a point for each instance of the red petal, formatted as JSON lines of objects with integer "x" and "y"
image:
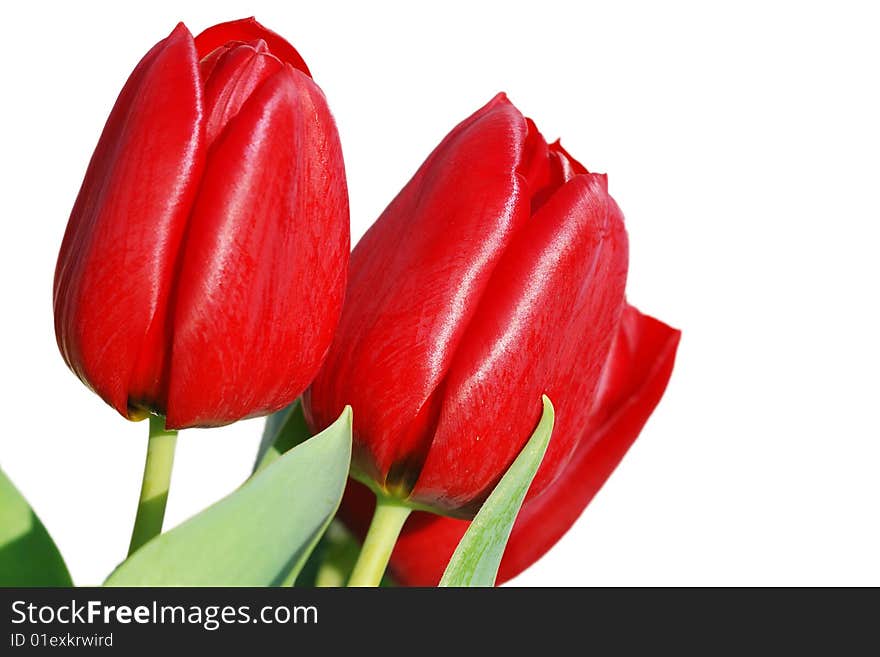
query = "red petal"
{"x": 560, "y": 168}
{"x": 262, "y": 280}
{"x": 232, "y": 77}
{"x": 536, "y": 166}
{"x": 566, "y": 166}
{"x": 544, "y": 326}
{"x": 416, "y": 278}
{"x": 116, "y": 263}
{"x": 248, "y": 29}
{"x": 640, "y": 365}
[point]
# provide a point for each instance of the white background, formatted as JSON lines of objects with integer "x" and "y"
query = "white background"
{"x": 744, "y": 148}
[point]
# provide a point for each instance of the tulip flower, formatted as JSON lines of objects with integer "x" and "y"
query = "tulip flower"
{"x": 495, "y": 276}
{"x": 203, "y": 268}
{"x": 633, "y": 381}
{"x": 202, "y": 272}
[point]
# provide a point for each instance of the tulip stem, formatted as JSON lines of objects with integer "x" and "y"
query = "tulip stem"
{"x": 384, "y": 529}
{"x": 154, "y": 487}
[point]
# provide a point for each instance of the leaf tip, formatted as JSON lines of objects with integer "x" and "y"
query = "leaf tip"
{"x": 347, "y": 415}
{"x": 548, "y": 417}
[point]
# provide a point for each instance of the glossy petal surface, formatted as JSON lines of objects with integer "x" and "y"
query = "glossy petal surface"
{"x": 232, "y": 75}
{"x": 115, "y": 268}
{"x": 261, "y": 286}
{"x": 415, "y": 282}
{"x": 544, "y": 326}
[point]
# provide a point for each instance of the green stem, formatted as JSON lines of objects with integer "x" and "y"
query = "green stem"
{"x": 329, "y": 576}
{"x": 384, "y": 529}
{"x": 154, "y": 488}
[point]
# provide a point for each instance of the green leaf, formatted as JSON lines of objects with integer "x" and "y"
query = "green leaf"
{"x": 478, "y": 555}
{"x": 284, "y": 430}
{"x": 28, "y": 555}
{"x": 260, "y": 535}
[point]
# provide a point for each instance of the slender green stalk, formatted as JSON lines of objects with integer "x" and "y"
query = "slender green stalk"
{"x": 384, "y": 529}
{"x": 330, "y": 575}
{"x": 154, "y": 487}
{"x": 340, "y": 552}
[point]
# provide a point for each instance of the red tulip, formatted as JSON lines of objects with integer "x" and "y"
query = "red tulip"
{"x": 495, "y": 276}
{"x": 202, "y": 272}
{"x": 633, "y": 382}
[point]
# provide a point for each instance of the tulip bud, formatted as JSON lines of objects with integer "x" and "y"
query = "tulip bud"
{"x": 495, "y": 276}
{"x": 633, "y": 381}
{"x": 202, "y": 272}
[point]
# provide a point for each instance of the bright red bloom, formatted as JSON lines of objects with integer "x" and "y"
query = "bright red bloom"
{"x": 496, "y": 275}
{"x": 203, "y": 268}
{"x": 633, "y": 382}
